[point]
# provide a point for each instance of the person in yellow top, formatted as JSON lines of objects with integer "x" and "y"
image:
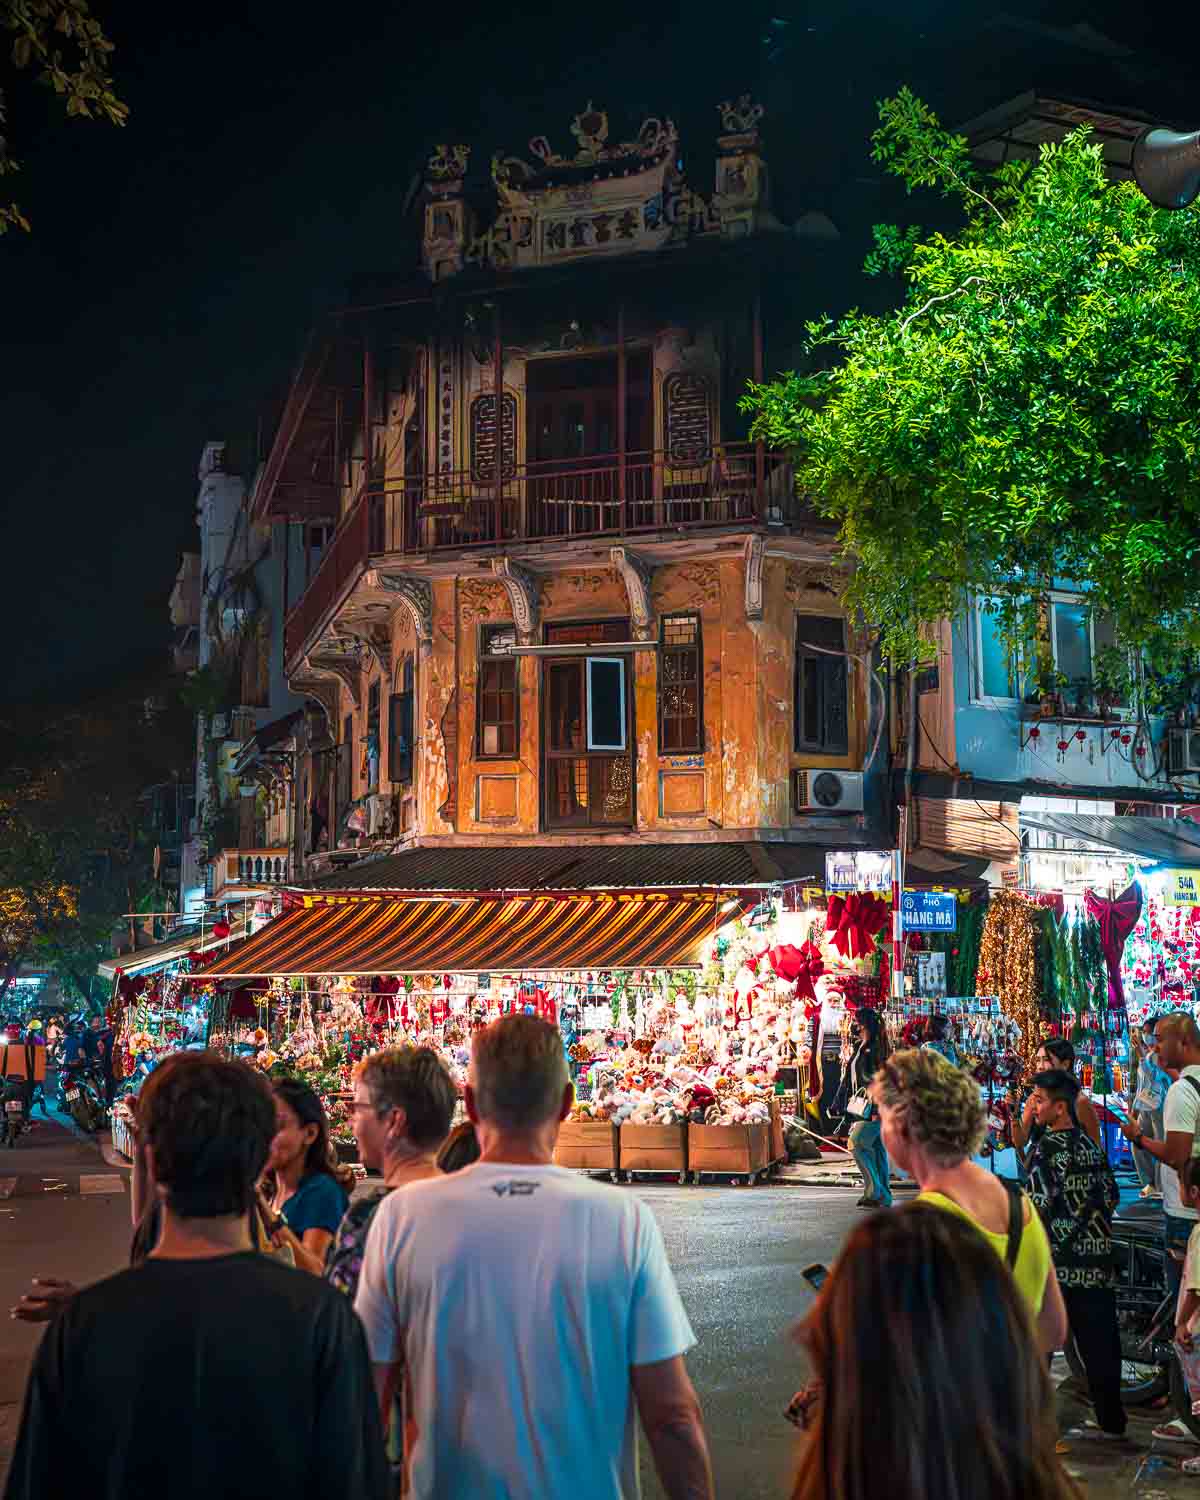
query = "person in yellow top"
{"x": 933, "y": 1122}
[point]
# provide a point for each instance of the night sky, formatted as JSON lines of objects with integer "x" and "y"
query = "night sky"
{"x": 175, "y": 266}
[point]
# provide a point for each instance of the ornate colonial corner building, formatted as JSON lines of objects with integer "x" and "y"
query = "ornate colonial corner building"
{"x": 563, "y": 605}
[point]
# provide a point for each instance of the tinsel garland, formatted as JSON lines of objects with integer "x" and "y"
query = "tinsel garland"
{"x": 1008, "y": 963}
{"x": 1053, "y": 998}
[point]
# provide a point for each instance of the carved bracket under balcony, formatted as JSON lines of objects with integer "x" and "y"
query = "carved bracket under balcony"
{"x": 374, "y": 635}
{"x": 521, "y": 586}
{"x": 754, "y": 577}
{"x": 321, "y": 690}
{"x": 637, "y": 576}
{"x": 416, "y": 595}
{"x": 343, "y": 658}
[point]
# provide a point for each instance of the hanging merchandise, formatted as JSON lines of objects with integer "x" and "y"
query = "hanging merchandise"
{"x": 1008, "y": 962}
{"x": 855, "y": 920}
{"x": 1116, "y": 919}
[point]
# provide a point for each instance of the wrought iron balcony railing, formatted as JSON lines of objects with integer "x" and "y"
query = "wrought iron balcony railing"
{"x": 563, "y": 500}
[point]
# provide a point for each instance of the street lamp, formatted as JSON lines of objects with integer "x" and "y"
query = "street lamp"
{"x": 1166, "y": 166}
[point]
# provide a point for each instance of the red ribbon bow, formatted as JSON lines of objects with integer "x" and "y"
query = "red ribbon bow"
{"x": 854, "y": 920}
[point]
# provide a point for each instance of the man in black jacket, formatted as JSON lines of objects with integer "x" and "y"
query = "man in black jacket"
{"x": 211, "y": 1369}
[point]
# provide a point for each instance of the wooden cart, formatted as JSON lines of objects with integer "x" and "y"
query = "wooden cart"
{"x": 588, "y": 1146}
{"x": 739, "y": 1152}
{"x": 655, "y": 1148}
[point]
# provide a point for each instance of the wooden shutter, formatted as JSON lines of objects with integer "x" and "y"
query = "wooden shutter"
{"x": 483, "y": 438}
{"x": 687, "y": 402}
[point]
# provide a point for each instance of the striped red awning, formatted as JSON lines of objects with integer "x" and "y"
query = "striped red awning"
{"x": 524, "y": 934}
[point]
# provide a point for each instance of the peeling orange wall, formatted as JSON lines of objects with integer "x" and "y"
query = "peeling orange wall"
{"x": 747, "y": 760}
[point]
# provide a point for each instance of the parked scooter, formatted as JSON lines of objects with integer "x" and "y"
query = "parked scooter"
{"x": 83, "y": 1098}
{"x": 14, "y": 1120}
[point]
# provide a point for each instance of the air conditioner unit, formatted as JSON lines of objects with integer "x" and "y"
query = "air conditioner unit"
{"x": 1183, "y": 752}
{"x": 821, "y": 791}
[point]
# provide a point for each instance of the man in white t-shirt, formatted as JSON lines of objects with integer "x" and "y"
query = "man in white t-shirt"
{"x": 1178, "y": 1039}
{"x": 529, "y": 1310}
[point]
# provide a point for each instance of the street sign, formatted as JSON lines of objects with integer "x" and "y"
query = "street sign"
{"x": 928, "y": 911}
{"x": 858, "y": 870}
{"x": 1183, "y": 888}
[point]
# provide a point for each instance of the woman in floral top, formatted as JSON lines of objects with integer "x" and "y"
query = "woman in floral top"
{"x": 402, "y": 1108}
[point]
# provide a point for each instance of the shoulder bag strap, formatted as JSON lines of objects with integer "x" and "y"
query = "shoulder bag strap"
{"x": 1016, "y": 1223}
{"x": 1193, "y": 1080}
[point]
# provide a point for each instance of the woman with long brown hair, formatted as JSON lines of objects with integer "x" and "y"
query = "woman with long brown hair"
{"x": 928, "y": 1385}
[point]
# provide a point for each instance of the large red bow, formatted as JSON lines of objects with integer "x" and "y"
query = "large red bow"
{"x": 1116, "y": 920}
{"x": 854, "y": 920}
{"x": 812, "y": 967}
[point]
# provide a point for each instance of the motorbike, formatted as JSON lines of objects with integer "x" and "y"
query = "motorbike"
{"x": 82, "y": 1095}
{"x": 1150, "y": 1367}
{"x": 14, "y": 1120}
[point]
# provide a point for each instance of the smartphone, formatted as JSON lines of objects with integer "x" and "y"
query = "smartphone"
{"x": 815, "y": 1275}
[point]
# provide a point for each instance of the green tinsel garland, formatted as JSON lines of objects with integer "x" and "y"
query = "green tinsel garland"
{"x": 961, "y": 965}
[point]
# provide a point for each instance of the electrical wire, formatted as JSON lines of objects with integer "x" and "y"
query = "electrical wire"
{"x": 957, "y": 772}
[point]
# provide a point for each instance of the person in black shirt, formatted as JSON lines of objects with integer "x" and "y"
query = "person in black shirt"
{"x": 1073, "y": 1188}
{"x": 209, "y": 1370}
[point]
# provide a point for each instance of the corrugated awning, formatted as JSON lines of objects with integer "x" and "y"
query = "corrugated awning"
{"x": 525, "y": 934}
{"x": 159, "y": 955}
{"x": 1168, "y": 841}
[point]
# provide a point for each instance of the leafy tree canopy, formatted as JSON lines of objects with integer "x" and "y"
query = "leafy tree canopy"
{"x": 1030, "y": 412}
{"x": 64, "y": 47}
{"x": 76, "y": 838}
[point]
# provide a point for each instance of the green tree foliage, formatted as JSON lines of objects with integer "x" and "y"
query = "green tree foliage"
{"x": 62, "y": 46}
{"x": 1031, "y": 410}
{"x": 76, "y": 842}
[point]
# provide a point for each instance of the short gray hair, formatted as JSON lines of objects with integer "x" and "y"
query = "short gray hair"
{"x": 519, "y": 1072}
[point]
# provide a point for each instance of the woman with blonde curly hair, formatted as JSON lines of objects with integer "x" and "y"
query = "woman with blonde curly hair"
{"x": 933, "y": 1122}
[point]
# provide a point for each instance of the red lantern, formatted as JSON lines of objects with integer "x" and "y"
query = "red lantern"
{"x": 1081, "y": 734}
{"x": 220, "y": 929}
{"x": 1035, "y": 733}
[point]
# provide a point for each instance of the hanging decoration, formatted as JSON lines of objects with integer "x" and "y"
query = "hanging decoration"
{"x": 855, "y": 920}
{"x": 1116, "y": 920}
{"x": 1008, "y": 962}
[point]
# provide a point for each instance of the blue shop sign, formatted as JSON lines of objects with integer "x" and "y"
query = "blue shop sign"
{"x": 928, "y": 911}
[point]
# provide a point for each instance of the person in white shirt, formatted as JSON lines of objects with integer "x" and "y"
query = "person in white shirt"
{"x": 532, "y": 1310}
{"x": 1178, "y": 1039}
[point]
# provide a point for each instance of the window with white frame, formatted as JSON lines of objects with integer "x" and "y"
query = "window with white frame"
{"x": 1077, "y": 636}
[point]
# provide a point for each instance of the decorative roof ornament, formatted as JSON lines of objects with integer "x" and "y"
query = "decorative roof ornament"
{"x": 741, "y": 117}
{"x": 590, "y": 129}
{"x": 448, "y": 164}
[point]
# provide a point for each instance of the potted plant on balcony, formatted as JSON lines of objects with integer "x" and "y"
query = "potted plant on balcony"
{"x": 1050, "y": 684}
{"x": 1112, "y": 680}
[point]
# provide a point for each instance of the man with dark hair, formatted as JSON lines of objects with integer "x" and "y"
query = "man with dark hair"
{"x": 209, "y": 1370}
{"x": 1073, "y": 1188}
{"x": 532, "y": 1310}
{"x": 1178, "y": 1042}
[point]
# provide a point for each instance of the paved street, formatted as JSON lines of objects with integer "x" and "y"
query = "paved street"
{"x": 737, "y": 1253}
{"x": 79, "y": 1231}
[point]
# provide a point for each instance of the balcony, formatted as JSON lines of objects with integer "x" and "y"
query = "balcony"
{"x": 567, "y": 500}
{"x": 245, "y": 872}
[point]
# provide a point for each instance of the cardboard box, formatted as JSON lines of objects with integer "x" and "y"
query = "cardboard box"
{"x": 588, "y": 1144}
{"x": 654, "y": 1148}
{"x": 728, "y": 1150}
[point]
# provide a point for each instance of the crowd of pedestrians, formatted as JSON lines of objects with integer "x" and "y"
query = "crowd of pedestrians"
{"x": 483, "y": 1324}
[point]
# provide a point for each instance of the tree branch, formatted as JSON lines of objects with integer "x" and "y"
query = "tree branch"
{"x": 944, "y": 297}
